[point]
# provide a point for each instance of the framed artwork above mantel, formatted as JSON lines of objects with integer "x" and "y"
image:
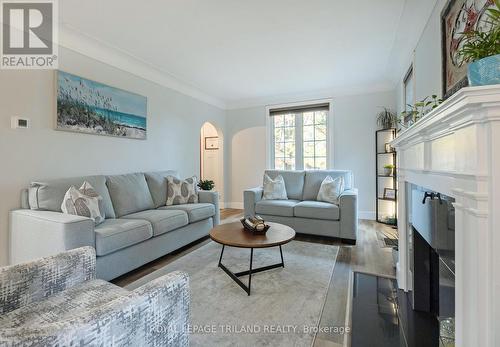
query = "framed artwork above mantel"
{"x": 458, "y": 17}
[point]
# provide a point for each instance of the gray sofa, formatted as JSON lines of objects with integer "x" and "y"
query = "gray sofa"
{"x": 138, "y": 227}
{"x": 57, "y": 301}
{"x": 302, "y": 212}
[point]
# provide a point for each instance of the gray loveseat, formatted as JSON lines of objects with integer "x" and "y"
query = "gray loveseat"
{"x": 138, "y": 227}
{"x": 302, "y": 212}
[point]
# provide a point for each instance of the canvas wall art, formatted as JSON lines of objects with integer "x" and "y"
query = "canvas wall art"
{"x": 458, "y": 17}
{"x": 94, "y": 108}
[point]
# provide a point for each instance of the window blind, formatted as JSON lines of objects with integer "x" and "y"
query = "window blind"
{"x": 299, "y": 109}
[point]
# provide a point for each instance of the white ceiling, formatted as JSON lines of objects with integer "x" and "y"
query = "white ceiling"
{"x": 240, "y": 50}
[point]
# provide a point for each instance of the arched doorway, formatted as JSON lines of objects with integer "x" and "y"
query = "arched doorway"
{"x": 212, "y": 157}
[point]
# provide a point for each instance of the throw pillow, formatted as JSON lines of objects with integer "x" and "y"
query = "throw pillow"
{"x": 83, "y": 202}
{"x": 331, "y": 189}
{"x": 181, "y": 191}
{"x": 274, "y": 189}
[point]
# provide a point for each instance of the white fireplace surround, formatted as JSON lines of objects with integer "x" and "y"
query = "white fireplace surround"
{"x": 455, "y": 150}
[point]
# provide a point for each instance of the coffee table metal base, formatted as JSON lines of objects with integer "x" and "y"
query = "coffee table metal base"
{"x": 251, "y": 271}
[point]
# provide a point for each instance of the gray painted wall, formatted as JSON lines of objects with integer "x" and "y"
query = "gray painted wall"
{"x": 426, "y": 59}
{"x": 174, "y": 123}
{"x": 353, "y": 141}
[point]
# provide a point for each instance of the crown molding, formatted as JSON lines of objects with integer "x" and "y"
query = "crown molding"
{"x": 74, "y": 40}
{"x": 313, "y": 95}
{"x": 92, "y": 47}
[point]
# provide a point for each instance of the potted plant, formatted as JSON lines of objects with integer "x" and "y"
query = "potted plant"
{"x": 482, "y": 51}
{"x": 388, "y": 169}
{"x": 387, "y": 119}
{"x": 417, "y": 111}
{"x": 206, "y": 184}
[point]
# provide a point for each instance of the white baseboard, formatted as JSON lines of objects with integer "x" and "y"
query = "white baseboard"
{"x": 370, "y": 215}
{"x": 235, "y": 205}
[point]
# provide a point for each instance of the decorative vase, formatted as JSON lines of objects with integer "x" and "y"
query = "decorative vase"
{"x": 484, "y": 72}
{"x": 387, "y": 171}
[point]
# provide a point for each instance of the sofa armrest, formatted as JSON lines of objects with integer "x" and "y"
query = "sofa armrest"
{"x": 212, "y": 198}
{"x": 250, "y": 198}
{"x": 169, "y": 309}
{"x": 348, "y": 203}
{"x": 156, "y": 314}
{"x": 26, "y": 283}
{"x": 35, "y": 234}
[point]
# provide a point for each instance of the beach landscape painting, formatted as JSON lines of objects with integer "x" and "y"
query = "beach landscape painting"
{"x": 94, "y": 108}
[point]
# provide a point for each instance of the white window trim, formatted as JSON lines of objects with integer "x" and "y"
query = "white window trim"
{"x": 409, "y": 73}
{"x": 329, "y": 138}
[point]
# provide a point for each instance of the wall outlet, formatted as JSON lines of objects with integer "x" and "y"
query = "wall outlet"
{"x": 19, "y": 123}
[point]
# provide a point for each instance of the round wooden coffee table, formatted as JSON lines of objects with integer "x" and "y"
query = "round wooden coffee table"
{"x": 234, "y": 235}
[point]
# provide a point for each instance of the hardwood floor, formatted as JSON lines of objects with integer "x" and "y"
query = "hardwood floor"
{"x": 368, "y": 255}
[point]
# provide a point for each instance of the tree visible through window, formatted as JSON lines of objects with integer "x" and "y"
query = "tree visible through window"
{"x": 284, "y": 142}
{"x": 314, "y": 139}
{"x": 300, "y": 138}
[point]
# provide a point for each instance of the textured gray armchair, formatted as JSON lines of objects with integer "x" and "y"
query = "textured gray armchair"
{"x": 57, "y": 301}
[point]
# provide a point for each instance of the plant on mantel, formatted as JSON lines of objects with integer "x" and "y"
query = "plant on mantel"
{"x": 481, "y": 49}
{"x": 419, "y": 110}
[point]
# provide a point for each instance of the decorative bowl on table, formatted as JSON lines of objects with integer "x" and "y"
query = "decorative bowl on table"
{"x": 255, "y": 225}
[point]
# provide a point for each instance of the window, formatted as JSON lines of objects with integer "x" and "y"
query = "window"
{"x": 300, "y": 138}
{"x": 408, "y": 97}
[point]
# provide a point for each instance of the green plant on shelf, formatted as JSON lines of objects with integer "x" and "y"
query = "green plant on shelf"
{"x": 387, "y": 119}
{"x": 389, "y": 169}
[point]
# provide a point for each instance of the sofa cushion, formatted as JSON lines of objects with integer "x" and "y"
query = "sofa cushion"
{"x": 49, "y": 194}
{"x": 274, "y": 189}
{"x": 294, "y": 182}
{"x": 195, "y": 212}
{"x": 331, "y": 189}
{"x": 276, "y": 207}
{"x": 161, "y": 220}
{"x": 129, "y": 193}
{"x": 157, "y": 183}
{"x": 313, "y": 180}
{"x": 114, "y": 234}
{"x": 317, "y": 210}
{"x": 72, "y": 302}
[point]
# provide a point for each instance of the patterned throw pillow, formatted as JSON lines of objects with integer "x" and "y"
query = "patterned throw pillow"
{"x": 83, "y": 202}
{"x": 181, "y": 191}
{"x": 274, "y": 189}
{"x": 331, "y": 189}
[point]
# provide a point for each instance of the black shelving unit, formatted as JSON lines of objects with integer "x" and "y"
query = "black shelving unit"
{"x": 382, "y": 180}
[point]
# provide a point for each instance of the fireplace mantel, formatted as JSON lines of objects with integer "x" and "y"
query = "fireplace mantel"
{"x": 455, "y": 149}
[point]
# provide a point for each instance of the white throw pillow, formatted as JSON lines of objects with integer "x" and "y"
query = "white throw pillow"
{"x": 274, "y": 189}
{"x": 83, "y": 202}
{"x": 331, "y": 189}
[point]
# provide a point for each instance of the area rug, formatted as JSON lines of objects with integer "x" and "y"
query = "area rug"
{"x": 285, "y": 304}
